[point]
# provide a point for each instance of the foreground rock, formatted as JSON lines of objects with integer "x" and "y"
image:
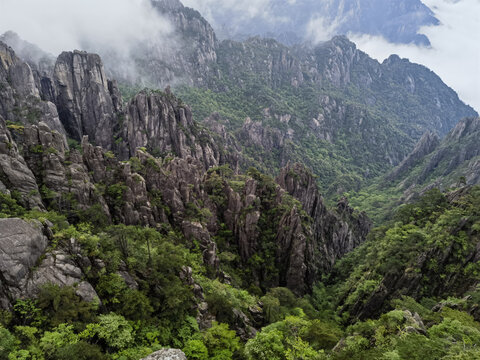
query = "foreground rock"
{"x": 167, "y": 354}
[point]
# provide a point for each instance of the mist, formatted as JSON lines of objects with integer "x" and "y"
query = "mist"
{"x": 455, "y": 51}
{"x": 111, "y": 28}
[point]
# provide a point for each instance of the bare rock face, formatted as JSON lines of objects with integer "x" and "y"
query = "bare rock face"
{"x": 21, "y": 245}
{"x": 335, "y": 233}
{"x": 59, "y": 269}
{"x": 25, "y": 266}
{"x": 158, "y": 122}
{"x": 167, "y": 354}
{"x": 14, "y": 172}
{"x": 20, "y": 99}
{"x": 83, "y": 99}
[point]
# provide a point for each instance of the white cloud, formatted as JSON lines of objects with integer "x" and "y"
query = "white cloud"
{"x": 319, "y": 29}
{"x": 455, "y": 51}
{"x": 58, "y": 25}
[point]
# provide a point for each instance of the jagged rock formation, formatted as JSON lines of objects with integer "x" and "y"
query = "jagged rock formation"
{"x": 37, "y": 162}
{"x": 83, "y": 99}
{"x": 452, "y": 161}
{"x": 334, "y": 233}
{"x": 158, "y": 122}
{"x": 425, "y": 146}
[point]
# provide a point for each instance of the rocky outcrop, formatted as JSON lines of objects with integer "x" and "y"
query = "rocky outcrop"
{"x": 14, "y": 172}
{"x": 21, "y": 245}
{"x": 167, "y": 354}
{"x": 335, "y": 233}
{"x": 83, "y": 99}
{"x": 162, "y": 125}
{"x": 26, "y": 265}
{"x": 453, "y": 161}
{"x": 425, "y": 146}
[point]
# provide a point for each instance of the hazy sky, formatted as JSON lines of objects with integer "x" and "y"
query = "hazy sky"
{"x": 57, "y": 25}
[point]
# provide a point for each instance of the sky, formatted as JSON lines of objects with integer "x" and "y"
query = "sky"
{"x": 117, "y": 25}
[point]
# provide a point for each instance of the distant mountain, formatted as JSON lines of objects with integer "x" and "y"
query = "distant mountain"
{"x": 291, "y": 22}
{"x": 454, "y": 161}
{"x": 451, "y": 162}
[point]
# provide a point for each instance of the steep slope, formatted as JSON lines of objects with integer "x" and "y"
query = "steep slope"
{"x": 431, "y": 250}
{"x": 450, "y": 162}
{"x": 332, "y": 107}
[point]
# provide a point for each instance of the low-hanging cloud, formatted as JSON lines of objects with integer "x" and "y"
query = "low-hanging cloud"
{"x": 112, "y": 28}
{"x": 237, "y": 12}
{"x": 57, "y": 25}
{"x": 455, "y": 51}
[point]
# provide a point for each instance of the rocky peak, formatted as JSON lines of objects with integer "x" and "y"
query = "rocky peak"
{"x": 336, "y": 59}
{"x": 83, "y": 99}
{"x": 335, "y": 232}
{"x": 16, "y": 73}
{"x": 299, "y": 182}
{"x": 168, "y": 4}
{"x": 425, "y": 146}
{"x": 38, "y": 59}
{"x": 464, "y": 128}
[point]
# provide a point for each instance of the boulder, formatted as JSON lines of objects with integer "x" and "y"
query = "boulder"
{"x": 167, "y": 354}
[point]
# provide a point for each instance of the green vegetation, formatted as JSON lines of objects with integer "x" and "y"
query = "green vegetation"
{"x": 156, "y": 308}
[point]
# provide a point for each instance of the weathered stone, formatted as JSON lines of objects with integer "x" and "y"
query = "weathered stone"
{"x": 83, "y": 99}
{"x": 21, "y": 245}
{"x": 167, "y": 354}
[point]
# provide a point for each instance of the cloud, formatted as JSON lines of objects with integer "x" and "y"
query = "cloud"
{"x": 455, "y": 51}
{"x": 112, "y": 28}
{"x": 57, "y": 25}
{"x": 320, "y": 29}
{"x": 237, "y": 12}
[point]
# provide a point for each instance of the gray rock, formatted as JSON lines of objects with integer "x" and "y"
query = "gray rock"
{"x": 83, "y": 99}
{"x": 167, "y": 354}
{"x": 21, "y": 245}
{"x": 59, "y": 269}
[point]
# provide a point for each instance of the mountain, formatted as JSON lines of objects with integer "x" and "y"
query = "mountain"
{"x": 306, "y": 102}
{"x": 319, "y": 106}
{"x": 434, "y": 163}
{"x": 133, "y": 226}
{"x": 292, "y": 22}
{"x": 192, "y": 189}
{"x": 279, "y": 104}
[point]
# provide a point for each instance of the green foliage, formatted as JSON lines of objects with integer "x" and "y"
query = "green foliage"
{"x": 80, "y": 350}
{"x": 113, "y": 329}
{"x": 62, "y": 304}
{"x": 196, "y": 350}
{"x": 222, "y": 299}
{"x": 8, "y": 343}
{"x": 221, "y": 342}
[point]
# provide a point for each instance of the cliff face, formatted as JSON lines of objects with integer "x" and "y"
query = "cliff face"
{"x": 335, "y": 233}
{"x": 83, "y": 99}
